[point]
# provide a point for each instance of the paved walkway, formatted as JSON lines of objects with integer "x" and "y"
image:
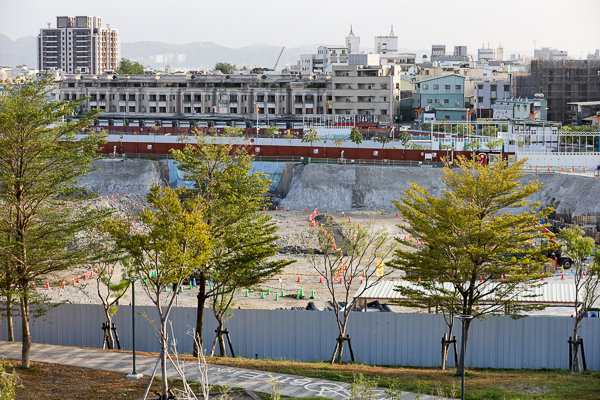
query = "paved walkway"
{"x": 258, "y": 381}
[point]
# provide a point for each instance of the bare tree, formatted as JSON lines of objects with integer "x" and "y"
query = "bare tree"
{"x": 344, "y": 253}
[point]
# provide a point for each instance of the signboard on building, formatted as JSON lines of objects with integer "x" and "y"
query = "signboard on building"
{"x": 428, "y": 117}
{"x": 502, "y": 111}
{"x": 358, "y": 119}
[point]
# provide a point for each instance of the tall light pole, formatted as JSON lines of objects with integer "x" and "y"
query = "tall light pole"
{"x": 131, "y": 279}
{"x": 464, "y": 319}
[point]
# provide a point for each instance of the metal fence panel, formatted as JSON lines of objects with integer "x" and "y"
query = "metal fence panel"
{"x": 377, "y": 338}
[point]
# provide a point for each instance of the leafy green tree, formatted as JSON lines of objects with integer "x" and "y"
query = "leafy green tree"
{"x": 272, "y": 131}
{"x": 310, "y": 136}
{"x": 462, "y": 129}
{"x": 225, "y": 68}
{"x": 345, "y": 252}
{"x": 128, "y": 67}
{"x": 578, "y": 248}
{"x": 339, "y": 142}
{"x": 176, "y": 243}
{"x": 474, "y": 145}
{"x": 489, "y": 130}
{"x": 355, "y": 136}
{"x": 383, "y": 140}
{"x": 492, "y": 144}
{"x": 478, "y": 251}
{"x": 40, "y": 161}
{"x": 243, "y": 236}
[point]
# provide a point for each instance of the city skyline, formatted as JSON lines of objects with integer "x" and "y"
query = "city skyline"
{"x": 417, "y": 27}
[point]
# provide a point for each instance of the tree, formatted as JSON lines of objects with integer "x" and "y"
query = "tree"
{"x": 40, "y": 161}
{"x": 128, "y": 67}
{"x": 345, "y": 253}
{"x": 383, "y": 140}
{"x": 272, "y": 131}
{"x": 339, "y": 142}
{"x": 474, "y": 145}
{"x": 225, "y": 68}
{"x": 462, "y": 129}
{"x": 578, "y": 248}
{"x": 176, "y": 243}
{"x": 289, "y": 136}
{"x": 243, "y": 237}
{"x": 492, "y": 144}
{"x": 471, "y": 245}
{"x": 355, "y": 136}
{"x": 489, "y": 130}
{"x": 310, "y": 136}
{"x": 110, "y": 287}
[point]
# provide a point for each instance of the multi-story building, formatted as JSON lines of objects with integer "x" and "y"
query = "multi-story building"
{"x": 443, "y": 96}
{"x": 485, "y": 55}
{"x": 438, "y": 53}
{"x": 524, "y": 109}
{"x": 78, "y": 45}
{"x": 546, "y": 53}
{"x": 488, "y": 91}
{"x": 366, "y": 91}
{"x": 561, "y": 82}
{"x": 187, "y": 99}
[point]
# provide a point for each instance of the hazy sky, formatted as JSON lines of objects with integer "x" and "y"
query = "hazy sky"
{"x": 572, "y": 25}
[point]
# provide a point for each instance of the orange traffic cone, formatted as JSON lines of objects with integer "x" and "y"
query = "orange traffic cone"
{"x": 63, "y": 285}
{"x": 47, "y": 286}
{"x": 321, "y": 279}
{"x": 73, "y": 280}
{"x": 562, "y": 276}
{"x": 298, "y": 278}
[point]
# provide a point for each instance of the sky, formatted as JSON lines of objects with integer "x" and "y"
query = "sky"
{"x": 572, "y": 25}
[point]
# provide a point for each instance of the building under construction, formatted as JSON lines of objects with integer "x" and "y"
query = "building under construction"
{"x": 560, "y": 82}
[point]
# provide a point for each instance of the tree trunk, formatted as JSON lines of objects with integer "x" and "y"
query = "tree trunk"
{"x": 221, "y": 340}
{"x": 341, "y": 348}
{"x": 163, "y": 360}
{"x": 26, "y": 334}
{"x": 200, "y": 314}
{"x": 9, "y": 319}
{"x": 111, "y": 340}
{"x": 576, "y": 363}
{"x": 463, "y": 349}
{"x": 447, "y": 347}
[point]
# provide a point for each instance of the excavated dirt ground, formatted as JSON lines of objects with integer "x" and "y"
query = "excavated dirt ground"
{"x": 292, "y": 224}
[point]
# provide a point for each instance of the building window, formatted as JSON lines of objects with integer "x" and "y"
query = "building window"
{"x": 446, "y": 101}
{"x": 507, "y": 88}
{"x": 162, "y": 97}
{"x": 447, "y": 87}
{"x": 480, "y": 100}
{"x": 429, "y": 101}
{"x": 152, "y": 109}
{"x": 436, "y": 87}
{"x": 480, "y": 87}
{"x": 447, "y": 117}
{"x": 233, "y": 110}
{"x": 458, "y": 87}
{"x": 425, "y": 86}
{"x": 463, "y": 116}
{"x": 493, "y": 88}
{"x": 383, "y": 112}
{"x": 163, "y": 109}
{"x": 298, "y": 111}
{"x": 132, "y": 109}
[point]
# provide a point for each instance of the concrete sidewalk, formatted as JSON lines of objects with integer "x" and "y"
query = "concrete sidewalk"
{"x": 259, "y": 381}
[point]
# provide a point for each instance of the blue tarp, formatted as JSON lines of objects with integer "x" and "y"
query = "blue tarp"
{"x": 272, "y": 169}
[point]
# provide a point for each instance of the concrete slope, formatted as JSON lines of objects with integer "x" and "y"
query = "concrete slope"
{"x": 116, "y": 176}
{"x": 335, "y": 187}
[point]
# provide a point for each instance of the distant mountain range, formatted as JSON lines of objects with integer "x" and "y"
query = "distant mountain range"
{"x": 200, "y": 55}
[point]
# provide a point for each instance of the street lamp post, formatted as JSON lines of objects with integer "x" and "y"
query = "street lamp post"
{"x": 464, "y": 319}
{"x": 134, "y": 374}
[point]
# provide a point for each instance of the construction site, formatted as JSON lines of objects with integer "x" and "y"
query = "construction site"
{"x": 341, "y": 192}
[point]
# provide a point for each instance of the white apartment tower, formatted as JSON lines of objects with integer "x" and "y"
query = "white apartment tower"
{"x": 353, "y": 43}
{"x": 387, "y": 44}
{"x": 79, "y": 45}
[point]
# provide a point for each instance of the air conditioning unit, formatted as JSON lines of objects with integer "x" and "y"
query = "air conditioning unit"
{"x": 457, "y": 103}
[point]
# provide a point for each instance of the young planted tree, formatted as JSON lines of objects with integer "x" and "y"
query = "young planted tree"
{"x": 578, "y": 248}
{"x": 243, "y": 236}
{"x": 485, "y": 257}
{"x": 383, "y": 140}
{"x": 40, "y": 161}
{"x": 310, "y": 136}
{"x": 355, "y": 136}
{"x": 111, "y": 286}
{"x": 176, "y": 243}
{"x": 345, "y": 254}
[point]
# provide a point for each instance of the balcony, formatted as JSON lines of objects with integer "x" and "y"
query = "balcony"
{"x": 187, "y": 103}
{"x": 162, "y": 103}
{"x": 152, "y": 104}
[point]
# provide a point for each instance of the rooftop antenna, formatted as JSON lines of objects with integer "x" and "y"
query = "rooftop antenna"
{"x": 48, "y": 25}
{"x": 392, "y": 31}
{"x": 534, "y": 45}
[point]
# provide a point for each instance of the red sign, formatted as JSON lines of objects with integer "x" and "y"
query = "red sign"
{"x": 482, "y": 159}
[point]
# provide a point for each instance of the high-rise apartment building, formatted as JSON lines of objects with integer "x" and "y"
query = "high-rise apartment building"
{"x": 79, "y": 45}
